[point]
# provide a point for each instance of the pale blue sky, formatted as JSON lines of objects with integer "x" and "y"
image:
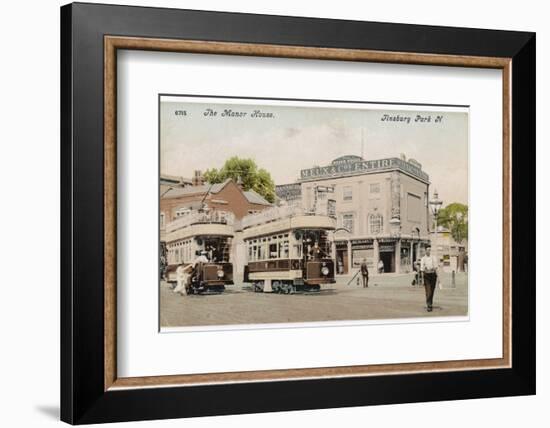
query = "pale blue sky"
{"x": 301, "y": 137}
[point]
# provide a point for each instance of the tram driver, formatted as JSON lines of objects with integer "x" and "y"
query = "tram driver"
{"x": 183, "y": 274}
{"x": 211, "y": 253}
{"x": 315, "y": 252}
{"x": 202, "y": 258}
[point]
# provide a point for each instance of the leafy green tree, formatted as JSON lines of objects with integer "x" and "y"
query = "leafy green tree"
{"x": 455, "y": 218}
{"x": 246, "y": 170}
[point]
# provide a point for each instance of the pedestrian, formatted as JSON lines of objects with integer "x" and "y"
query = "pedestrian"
{"x": 429, "y": 269}
{"x": 365, "y": 273}
{"x": 416, "y": 270}
{"x": 340, "y": 266}
{"x": 380, "y": 266}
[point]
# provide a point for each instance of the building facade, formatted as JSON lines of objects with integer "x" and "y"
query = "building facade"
{"x": 226, "y": 197}
{"x": 381, "y": 209}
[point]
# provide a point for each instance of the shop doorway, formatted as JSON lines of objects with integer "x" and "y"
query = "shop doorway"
{"x": 342, "y": 262}
{"x": 388, "y": 258}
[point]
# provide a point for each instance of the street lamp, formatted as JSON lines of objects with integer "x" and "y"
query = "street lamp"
{"x": 435, "y": 205}
{"x": 415, "y": 231}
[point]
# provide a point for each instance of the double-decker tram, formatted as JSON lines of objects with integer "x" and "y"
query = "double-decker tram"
{"x": 288, "y": 249}
{"x": 201, "y": 242}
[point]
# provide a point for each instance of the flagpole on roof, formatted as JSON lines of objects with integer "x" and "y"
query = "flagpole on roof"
{"x": 362, "y": 143}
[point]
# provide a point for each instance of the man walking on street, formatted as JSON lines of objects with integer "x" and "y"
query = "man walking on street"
{"x": 429, "y": 267}
{"x": 365, "y": 273}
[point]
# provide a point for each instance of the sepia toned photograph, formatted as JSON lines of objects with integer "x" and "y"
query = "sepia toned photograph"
{"x": 285, "y": 212}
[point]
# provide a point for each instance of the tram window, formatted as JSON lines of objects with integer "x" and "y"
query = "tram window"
{"x": 273, "y": 251}
{"x": 180, "y": 212}
{"x": 283, "y": 250}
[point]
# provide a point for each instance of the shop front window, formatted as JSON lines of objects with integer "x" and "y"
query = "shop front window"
{"x": 273, "y": 251}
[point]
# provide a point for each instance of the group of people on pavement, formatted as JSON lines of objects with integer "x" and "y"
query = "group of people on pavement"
{"x": 426, "y": 271}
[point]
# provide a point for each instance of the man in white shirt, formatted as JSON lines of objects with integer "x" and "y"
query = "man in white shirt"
{"x": 429, "y": 267}
{"x": 201, "y": 259}
{"x": 196, "y": 271}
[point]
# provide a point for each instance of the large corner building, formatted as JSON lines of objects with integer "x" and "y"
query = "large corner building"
{"x": 381, "y": 209}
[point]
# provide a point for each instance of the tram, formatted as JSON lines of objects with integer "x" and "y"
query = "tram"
{"x": 288, "y": 249}
{"x": 201, "y": 241}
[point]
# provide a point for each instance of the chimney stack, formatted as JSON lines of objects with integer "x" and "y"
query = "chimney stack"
{"x": 198, "y": 179}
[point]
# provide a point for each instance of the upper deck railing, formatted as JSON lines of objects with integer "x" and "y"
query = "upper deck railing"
{"x": 285, "y": 211}
{"x": 199, "y": 217}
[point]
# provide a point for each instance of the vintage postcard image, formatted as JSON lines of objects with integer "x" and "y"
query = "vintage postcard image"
{"x": 277, "y": 212}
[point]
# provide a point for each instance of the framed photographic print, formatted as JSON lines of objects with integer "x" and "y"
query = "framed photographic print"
{"x": 266, "y": 213}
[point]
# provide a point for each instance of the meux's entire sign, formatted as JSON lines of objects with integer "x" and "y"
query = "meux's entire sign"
{"x": 349, "y": 165}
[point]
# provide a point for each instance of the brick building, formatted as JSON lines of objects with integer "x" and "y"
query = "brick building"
{"x": 226, "y": 197}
